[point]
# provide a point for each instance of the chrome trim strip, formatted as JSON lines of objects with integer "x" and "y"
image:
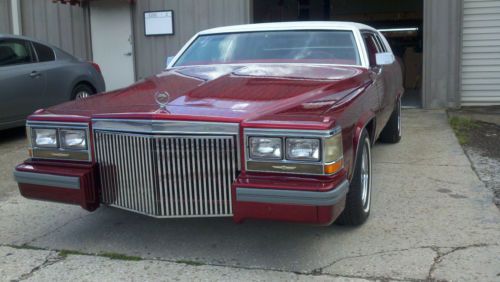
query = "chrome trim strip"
{"x": 57, "y": 181}
{"x": 166, "y": 126}
{"x": 274, "y": 196}
{"x": 291, "y": 132}
{"x": 58, "y": 124}
{"x": 286, "y": 167}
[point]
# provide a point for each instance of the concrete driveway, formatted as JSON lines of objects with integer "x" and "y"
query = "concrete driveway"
{"x": 432, "y": 218}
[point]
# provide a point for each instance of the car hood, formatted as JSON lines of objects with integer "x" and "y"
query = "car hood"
{"x": 273, "y": 92}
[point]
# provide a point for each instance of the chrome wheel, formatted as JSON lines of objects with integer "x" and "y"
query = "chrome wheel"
{"x": 366, "y": 180}
{"x": 81, "y": 95}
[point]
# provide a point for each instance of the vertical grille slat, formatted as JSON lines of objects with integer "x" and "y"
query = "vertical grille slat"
{"x": 167, "y": 175}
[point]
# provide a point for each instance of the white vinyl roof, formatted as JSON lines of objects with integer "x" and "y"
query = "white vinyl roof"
{"x": 288, "y": 26}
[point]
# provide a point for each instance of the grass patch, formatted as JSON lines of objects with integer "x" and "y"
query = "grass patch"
{"x": 66, "y": 253}
{"x": 119, "y": 256}
{"x": 462, "y": 127}
{"x": 190, "y": 262}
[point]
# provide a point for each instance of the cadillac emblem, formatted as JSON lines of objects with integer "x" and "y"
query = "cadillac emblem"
{"x": 162, "y": 99}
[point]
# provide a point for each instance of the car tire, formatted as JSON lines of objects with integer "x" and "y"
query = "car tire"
{"x": 82, "y": 91}
{"x": 392, "y": 130}
{"x": 358, "y": 199}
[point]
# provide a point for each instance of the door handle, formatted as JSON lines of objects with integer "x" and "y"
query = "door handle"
{"x": 128, "y": 54}
{"x": 35, "y": 74}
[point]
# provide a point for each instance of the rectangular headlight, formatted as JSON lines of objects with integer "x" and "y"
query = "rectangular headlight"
{"x": 45, "y": 137}
{"x": 300, "y": 149}
{"x": 73, "y": 139}
{"x": 265, "y": 148}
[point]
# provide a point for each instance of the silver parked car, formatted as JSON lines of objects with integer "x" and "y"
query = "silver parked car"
{"x": 35, "y": 75}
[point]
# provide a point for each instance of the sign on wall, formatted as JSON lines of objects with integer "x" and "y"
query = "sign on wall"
{"x": 159, "y": 23}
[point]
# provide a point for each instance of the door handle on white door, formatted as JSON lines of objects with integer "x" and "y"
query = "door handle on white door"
{"x": 128, "y": 54}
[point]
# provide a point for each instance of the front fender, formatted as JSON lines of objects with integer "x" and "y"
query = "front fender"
{"x": 362, "y": 123}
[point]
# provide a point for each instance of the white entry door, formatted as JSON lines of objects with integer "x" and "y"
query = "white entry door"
{"x": 112, "y": 48}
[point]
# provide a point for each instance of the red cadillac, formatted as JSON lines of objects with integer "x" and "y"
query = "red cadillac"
{"x": 263, "y": 121}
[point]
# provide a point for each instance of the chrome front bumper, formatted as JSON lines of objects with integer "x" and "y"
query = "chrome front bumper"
{"x": 293, "y": 197}
{"x": 50, "y": 180}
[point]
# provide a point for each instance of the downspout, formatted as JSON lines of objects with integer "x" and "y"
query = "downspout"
{"x": 15, "y": 7}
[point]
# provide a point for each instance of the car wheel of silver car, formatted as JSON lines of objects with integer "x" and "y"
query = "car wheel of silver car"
{"x": 358, "y": 200}
{"x": 392, "y": 130}
{"x": 82, "y": 91}
{"x": 82, "y": 95}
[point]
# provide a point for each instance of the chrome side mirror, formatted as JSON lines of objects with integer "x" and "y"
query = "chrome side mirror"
{"x": 383, "y": 59}
{"x": 168, "y": 61}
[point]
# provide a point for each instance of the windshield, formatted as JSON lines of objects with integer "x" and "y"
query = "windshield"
{"x": 308, "y": 46}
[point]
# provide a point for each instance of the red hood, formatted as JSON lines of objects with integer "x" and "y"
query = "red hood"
{"x": 225, "y": 93}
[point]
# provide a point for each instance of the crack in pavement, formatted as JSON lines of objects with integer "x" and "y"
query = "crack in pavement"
{"x": 50, "y": 259}
{"x": 441, "y": 255}
{"x": 30, "y": 241}
{"x": 320, "y": 269}
{"x": 437, "y": 259}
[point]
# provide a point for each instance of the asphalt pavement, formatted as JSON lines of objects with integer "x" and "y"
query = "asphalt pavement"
{"x": 432, "y": 219}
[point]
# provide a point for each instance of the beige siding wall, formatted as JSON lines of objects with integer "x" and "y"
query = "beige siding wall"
{"x": 190, "y": 16}
{"x": 64, "y": 26}
{"x": 5, "y": 17}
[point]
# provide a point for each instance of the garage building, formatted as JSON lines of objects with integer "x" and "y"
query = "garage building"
{"x": 449, "y": 49}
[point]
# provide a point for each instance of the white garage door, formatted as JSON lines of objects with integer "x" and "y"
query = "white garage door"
{"x": 481, "y": 53}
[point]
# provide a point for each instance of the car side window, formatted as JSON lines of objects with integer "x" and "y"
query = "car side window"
{"x": 44, "y": 53}
{"x": 371, "y": 48}
{"x": 381, "y": 44}
{"x": 15, "y": 52}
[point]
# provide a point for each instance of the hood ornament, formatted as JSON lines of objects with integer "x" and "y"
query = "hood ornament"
{"x": 162, "y": 98}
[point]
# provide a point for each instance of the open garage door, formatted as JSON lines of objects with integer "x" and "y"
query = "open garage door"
{"x": 401, "y": 22}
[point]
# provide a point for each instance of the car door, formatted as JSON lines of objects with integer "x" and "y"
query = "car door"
{"x": 377, "y": 74}
{"x": 54, "y": 73}
{"x": 22, "y": 86}
{"x": 389, "y": 76}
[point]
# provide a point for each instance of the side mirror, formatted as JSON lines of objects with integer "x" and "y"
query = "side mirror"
{"x": 168, "y": 61}
{"x": 383, "y": 59}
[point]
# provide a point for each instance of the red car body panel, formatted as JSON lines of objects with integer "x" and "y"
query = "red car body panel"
{"x": 87, "y": 197}
{"x": 281, "y": 96}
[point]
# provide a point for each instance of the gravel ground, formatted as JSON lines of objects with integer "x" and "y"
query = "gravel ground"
{"x": 483, "y": 150}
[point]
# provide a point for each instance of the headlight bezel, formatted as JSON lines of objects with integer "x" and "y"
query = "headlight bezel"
{"x": 58, "y": 152}
{"x": 295, "y": 166}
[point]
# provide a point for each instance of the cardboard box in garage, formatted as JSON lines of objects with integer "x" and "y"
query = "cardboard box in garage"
{"x": 413, "y": 68}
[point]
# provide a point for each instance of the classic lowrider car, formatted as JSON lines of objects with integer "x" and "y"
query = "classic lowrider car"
{"x": 262, "y": 121}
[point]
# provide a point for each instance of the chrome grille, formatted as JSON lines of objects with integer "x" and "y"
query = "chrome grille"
{"x": 167, "y": 175}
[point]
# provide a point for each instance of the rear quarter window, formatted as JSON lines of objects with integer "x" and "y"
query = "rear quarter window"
{"x": 44, "y": 53}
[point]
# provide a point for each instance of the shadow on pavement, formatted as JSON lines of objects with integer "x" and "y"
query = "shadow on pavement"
{"x": 12, "y": 134}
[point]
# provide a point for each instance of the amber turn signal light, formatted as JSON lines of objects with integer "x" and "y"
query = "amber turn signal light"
{"x": 334, "y": 167}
